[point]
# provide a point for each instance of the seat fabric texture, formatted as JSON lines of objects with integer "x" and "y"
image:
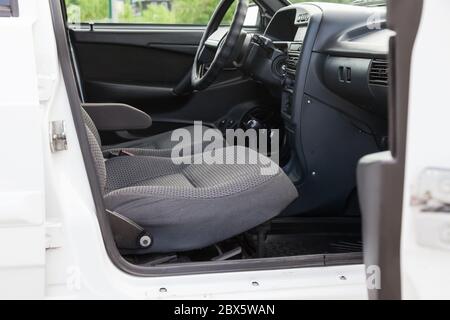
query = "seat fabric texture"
{"x": 191, "y": 206}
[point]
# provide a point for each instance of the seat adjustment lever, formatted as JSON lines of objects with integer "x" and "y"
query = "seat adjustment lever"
{"x": 128, "y": 234}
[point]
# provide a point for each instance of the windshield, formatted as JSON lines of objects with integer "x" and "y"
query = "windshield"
{"x": 354, "y": 2}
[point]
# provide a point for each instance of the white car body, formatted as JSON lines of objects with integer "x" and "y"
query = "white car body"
{"x": 425, "y": 258}
{"x": 51, "y": 246}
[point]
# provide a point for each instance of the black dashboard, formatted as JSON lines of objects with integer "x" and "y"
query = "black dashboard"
{"x": 328, "y": 63}
{"x": 288, "y": 25}
{"x": 355, "y": 41}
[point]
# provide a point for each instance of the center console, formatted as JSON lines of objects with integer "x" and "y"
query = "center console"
{"x": 294, "y": 54}
{"x": 274, "y": 57}
{"x": 293, "y": 57}
{"x": 325, "y": 65}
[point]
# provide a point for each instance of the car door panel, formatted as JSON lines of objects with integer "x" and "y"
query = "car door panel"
{"x": 140, "y": 66}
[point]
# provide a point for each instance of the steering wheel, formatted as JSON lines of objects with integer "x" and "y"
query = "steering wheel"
{"x": 216, "y": 47}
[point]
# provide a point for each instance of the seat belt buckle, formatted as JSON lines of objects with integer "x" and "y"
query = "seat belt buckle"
{"x": 124, "y": 153}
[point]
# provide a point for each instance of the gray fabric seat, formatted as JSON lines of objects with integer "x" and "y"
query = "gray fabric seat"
{"x": 160, "y": 145}
{"x": 191, "y": 206}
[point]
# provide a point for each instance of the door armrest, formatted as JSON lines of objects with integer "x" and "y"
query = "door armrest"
{"x": 117, "y": 116}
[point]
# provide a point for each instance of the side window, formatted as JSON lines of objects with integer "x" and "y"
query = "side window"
{"x": 9, "y": 8}
{"x": 253, "y": 16}
{"x": 174, "y": 12}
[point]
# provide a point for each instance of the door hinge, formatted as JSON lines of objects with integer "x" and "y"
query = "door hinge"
{"x": 58, "y": 138}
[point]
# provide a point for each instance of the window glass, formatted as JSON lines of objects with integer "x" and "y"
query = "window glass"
{"x": 355, "y": 2}
{"x": 193, "y": 12}
{"x": 9, "y": 8}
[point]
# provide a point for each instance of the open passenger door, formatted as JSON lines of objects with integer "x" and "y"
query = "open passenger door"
{"x": 381, "y": 176}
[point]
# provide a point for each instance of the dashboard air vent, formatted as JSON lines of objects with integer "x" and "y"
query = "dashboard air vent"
{"x": 379, "y": 73}
{"x": 294, "y": 53}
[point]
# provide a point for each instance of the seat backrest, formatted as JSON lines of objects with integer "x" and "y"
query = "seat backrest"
{"x": 97, "y": 155}
{"x": 91, "y": 126}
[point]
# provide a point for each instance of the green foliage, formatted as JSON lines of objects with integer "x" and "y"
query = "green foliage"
{"x": 158, "y": 14}
{"x": 182, "y": 12}
{"x": 196, "y": 12}
{"x": 87, "y": 10}
{"x": 335, "y": 1}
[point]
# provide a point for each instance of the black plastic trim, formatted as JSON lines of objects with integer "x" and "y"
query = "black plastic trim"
{"x": 117, "y": 116}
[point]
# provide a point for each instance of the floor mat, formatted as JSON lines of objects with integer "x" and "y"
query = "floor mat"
{"x": 293, "y": 245}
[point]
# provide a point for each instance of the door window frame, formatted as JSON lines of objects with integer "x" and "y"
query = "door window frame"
{"x": 9, "y": 8}
{"x": 257, "y": 26}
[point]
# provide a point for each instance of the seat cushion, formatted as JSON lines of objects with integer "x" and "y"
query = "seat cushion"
{"x": 191, "y": 206}
{"x": 161, "y": 145}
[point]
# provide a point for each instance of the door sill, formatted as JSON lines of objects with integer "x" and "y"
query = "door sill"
{"x": 263, "y": 264}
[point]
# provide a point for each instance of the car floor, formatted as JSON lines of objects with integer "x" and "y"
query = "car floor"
{"x": 280, "y": 238}
{"x": 296, "y": 245}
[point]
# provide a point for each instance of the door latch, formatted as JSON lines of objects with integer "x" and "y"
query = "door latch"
{"x": 58, "y": 138}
